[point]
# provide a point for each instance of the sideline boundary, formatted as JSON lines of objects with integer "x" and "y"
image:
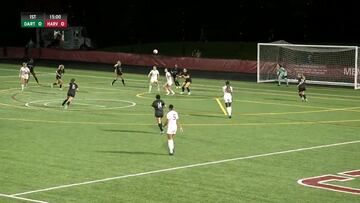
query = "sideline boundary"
{"x": 22, "y": 198}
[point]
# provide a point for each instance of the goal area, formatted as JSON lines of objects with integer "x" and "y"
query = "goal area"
{"x": 321, "y": 64}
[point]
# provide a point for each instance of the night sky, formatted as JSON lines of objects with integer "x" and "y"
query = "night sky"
{"x": 129, "y": 22}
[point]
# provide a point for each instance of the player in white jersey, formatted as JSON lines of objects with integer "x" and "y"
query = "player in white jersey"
{"x": 154, "y": 75}
{"x": 228, "y": 90}
{"x": 24, "y": 75}
{"x": 172, "y": 121}
{"x": 169, "y": 82}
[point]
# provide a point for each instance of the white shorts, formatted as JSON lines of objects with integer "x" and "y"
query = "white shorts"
{"x": 169, "y": 83}
{"x": 25, "y": 77}
{"x": 228, "y": 98}
{"x": 171, "y": 130}
{"x": 153, "y": 81}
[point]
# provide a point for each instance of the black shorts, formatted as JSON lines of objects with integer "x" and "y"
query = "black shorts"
{"x": 71, "y": 94}
{"x": 159, "y": 114}
{"x": 119, "y": 73}
{"x": 58, "y": 77}
{"x": 302, "y": 88}
{"x": 188, "y": 80}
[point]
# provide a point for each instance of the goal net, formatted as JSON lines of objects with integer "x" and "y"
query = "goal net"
{"x": 321, "y": 64}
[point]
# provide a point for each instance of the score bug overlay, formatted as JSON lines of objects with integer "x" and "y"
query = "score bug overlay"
{"x": 43, "y": 20}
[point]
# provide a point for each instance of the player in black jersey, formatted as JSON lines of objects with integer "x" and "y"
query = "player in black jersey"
{"x": 302, "y": 87}
{"x": 59, "y": 72}
{"x": 175, "y": 74}
{"x": 159, "y": 106}
{"x": 186, "y": 84}
{"x": 73, "y": 88}
{"x": 30, "y": 65}
{"x": 118, "y": 73}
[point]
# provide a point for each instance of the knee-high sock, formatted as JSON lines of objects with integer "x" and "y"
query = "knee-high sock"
{"x": 160, "y": 126}
{"x": 229, "y": 110}
{"x": 171, "y": 146}
{"x": 150, "y": 86}
{"x": 64, "y": 102}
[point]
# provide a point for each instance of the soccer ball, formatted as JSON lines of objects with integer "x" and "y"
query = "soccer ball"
{"x": 155, "y": 51}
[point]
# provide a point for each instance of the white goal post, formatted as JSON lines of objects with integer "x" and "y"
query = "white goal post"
{"x": 321, "y": 64}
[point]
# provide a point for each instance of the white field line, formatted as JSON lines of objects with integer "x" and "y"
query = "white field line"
{"x": 21, "y": 198}
{"x": 185, "y": 167}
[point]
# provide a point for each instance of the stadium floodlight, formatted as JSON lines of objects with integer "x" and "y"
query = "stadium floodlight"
{"x": 321, "y": 64}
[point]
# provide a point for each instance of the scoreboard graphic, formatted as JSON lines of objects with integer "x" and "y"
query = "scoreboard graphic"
{"x": 43, "y": 20}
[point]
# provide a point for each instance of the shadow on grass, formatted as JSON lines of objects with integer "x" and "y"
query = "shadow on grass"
{"x": 208, "y": 115}
{"x": 131, "y": 153}
{"x": 129, "y": 131}
{"x": 283, "y": 99}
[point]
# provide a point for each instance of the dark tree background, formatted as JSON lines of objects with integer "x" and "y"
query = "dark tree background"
{"x": 128, "y": 22}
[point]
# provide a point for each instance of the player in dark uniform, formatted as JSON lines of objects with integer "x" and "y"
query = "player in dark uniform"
{"x": 118, "y": 73}
{"x": 30, "y": 65}
{"x": 175, "y": 74}
{"x": 59, "y": 72}
{"x": 302, "y": 87}
{"x": 73, "y": 87}
{"x": 186, "y": 84}
{"x": 159, "y": 106}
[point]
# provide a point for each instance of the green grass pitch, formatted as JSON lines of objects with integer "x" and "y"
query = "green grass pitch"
{"x": 107, "y": 147}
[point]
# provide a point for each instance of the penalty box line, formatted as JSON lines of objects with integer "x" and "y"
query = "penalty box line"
{"x": 185, "y": 167}
{"x": 221, "y": 106}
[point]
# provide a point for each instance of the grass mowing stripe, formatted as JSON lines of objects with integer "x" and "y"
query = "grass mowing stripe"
{"x": 187, "y": 166}
{"x": 185, "y": 124}
{"x": 221, "y": 106}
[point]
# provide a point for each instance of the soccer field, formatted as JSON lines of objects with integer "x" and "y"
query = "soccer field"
{"x": 107, "y": 147}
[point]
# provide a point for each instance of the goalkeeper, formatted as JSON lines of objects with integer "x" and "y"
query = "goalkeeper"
{"x": 282, "y": 74}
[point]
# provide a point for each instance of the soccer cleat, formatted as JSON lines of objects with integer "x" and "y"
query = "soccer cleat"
{"x": 189, "y": 93}
{"x": 229, "y": 116}
{"x": 162, "y": 132}
{"x": 167, "y": 93}
{"x": 181, "y": 92}
{"x": 173, "y": 93}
